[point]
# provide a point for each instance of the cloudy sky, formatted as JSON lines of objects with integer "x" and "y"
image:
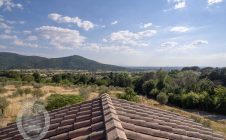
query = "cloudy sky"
{"x": 120, "y": 32}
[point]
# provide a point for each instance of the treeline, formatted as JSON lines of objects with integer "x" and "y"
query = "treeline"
{"x": 190, "y": 88}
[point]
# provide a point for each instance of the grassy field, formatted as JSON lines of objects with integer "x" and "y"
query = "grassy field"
{"x": 17, "y": 102}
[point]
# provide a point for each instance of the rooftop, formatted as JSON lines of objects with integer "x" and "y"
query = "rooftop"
{"x": 115, "y": 119}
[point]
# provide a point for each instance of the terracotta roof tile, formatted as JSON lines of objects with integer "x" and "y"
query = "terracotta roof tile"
{"x": 114, "y": 119}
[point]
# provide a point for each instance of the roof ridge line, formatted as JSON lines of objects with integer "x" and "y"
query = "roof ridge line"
{"x": 113, "y": 126}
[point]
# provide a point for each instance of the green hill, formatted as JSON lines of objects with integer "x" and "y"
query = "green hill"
{"x": 75, "y": 62}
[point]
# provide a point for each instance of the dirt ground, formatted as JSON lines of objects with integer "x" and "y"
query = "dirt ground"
{"x": 16, "y": 103}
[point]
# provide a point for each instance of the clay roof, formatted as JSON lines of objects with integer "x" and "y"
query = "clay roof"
{"x": 115, "y": 119}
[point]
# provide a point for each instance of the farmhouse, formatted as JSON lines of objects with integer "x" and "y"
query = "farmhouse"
{"x": 114, "y": 119}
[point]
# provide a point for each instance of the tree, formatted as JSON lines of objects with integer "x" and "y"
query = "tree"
{"x": 13, "y": 74}
{"x": 27, "y": 77}
{"x": 138, "y": 82}
{"x": 190, "y": 100}
{"x": 84, "y": 79}
{"x": 148, "y": 86}
{"x": 162, "y": 98}
{"x": 220, "y": 98}
{"x": 122, "y": 80}
{"x": 205, "y": 85}
{"x": 149, "y": 76}
{"x": 56, "y": 78}
{"x": 37, "y": 77}
{"x": 161, "y": 75}
{"x": 187, "y": 80}
{"x": 154, "y": 92}
{"x": 194, "y": 68}
{"x": 129, "y": 95}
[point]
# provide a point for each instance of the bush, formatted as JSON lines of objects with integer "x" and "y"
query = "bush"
{"x": 190, "y": 100}
{"x": 196, "y": 118}
{"x": 175, "y": 99}
{"x": 84, "y": 92}
{"x": 129, "y": 95}
{"x": 37, "y": 85}
{"x": 57, "y": 101}
{"x": 18, "y": 92}
{"x": 148, "y": 86}
{"x": 37, "y": 93}
{"x": 103, "y": 89}
{"x": 154, "y": 92}
{"x": 28, "y": 78}
{"x": 2, "y": 89}
{"x": 3, "y": 104}
{"x": 162, "y": 98}
{"x": 204, "y": 122}
{"x": 27, "y": 90}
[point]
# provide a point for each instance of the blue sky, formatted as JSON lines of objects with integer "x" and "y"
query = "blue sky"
{"x": 120, "y": 32}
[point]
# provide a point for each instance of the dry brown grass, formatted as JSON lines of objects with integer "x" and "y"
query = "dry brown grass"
{"x": 16, "y": 103}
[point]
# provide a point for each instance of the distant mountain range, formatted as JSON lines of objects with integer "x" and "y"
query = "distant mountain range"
{"x": 75, "y": 62}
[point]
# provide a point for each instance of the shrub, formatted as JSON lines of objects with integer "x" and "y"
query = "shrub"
{"x": 103, "y": 89}
{"x": 154, "y": 92}
{"x": 84, "y": 92}
{"x": 27, "y": 90}
{"x": 148, "y": 86}
{"x": 18, "y": 92}
{"x": 129, "y": 95}
{"x": 37, "y": 85}
{"x": 37, "y": 93}
{"x": 206, "y": 123}
{"x": 162, "y": 98}
{"x": 196, "y": 118}
{"x": 57, "y": 101}
{"x": 37, "y": 77}
{"x": 28, "y": 78}
{"x": 2, "y": 89}
{"x": 190, "y": 100}
{"x": 3, "y": 104}
{"x": 17, "y": 84}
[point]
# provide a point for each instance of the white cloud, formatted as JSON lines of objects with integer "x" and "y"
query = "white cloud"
{"x": 85, "y": 24}
{"x": 180, "y": 29}
{"x": 111, "y": 48}
{"x": 32, "y": 38}
{"x": 22, "y": 43}
{"x": 146, "y": 25}
{"x": 114, "y": 22}
{"x": 131, "y": 38}
{"x": 7, "y": 37}
{"x": 2, "y": 46}
{"x": 18, "y": 42}
{"x": 197, "y": 43}
{"x": 211, "y": 2}
{"x": 168, "y": 45}
{"x": 178, "y": 4}
{"x": 16, "y": 22}
{"x": 27, "y": 32}
{"x": 174, "y": 46}
{"x": 4, "y": 26}
{"x": 8, "y": 5}
{"x": 61, "y": 38}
